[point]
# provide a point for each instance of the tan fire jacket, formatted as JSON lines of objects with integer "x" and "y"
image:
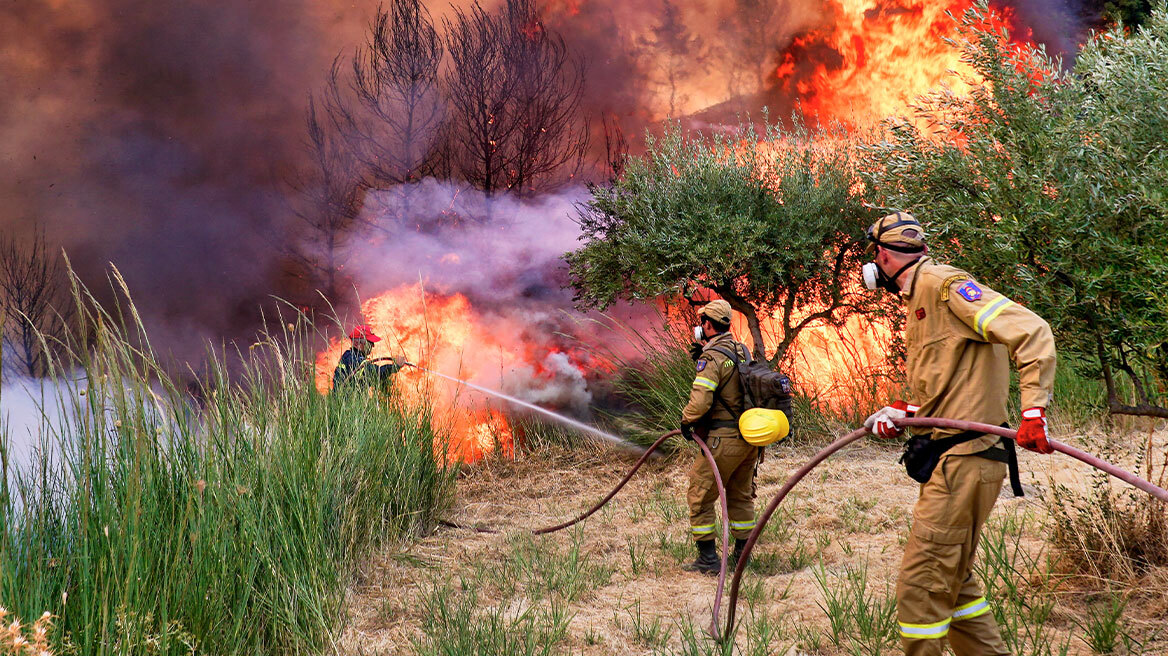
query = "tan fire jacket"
{"x": 715, "y": 371}
{"x": 959, "y": 337}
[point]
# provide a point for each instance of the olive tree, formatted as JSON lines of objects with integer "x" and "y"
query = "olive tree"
{"x": 1051, "y": 184}
{"x": 772, "y": 223}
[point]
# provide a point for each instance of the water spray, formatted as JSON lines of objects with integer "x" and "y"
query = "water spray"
{"x": 567, "y": 421}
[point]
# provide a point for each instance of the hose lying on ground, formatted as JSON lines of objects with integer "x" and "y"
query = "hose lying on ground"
{"x": 1107, "y": 467}
{"x": 714, "y": 625}
{"x": 602, "y": 502}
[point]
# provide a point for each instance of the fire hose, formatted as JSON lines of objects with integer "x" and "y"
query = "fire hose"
{"x": 714, "y": 625}
{"x": 927, "y": 422}
{"x": 824, "y": 454}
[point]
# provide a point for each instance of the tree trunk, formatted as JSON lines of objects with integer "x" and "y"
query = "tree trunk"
{"x": 1114, "y": 405}
{"x": 751, "y": 313}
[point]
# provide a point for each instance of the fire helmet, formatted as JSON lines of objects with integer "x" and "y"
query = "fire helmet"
{"x": 899, "y": 232}
{"x": 763, "y": 426}
{"x": 717, "y": 311}
{"x": 364, "y": 331}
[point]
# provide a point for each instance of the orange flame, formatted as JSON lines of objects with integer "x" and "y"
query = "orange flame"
{"x": 447, "y": 334}
{"x": 872, "y": 58}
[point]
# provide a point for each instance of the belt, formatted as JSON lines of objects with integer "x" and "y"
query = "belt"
{"x": 1005, "y": 453}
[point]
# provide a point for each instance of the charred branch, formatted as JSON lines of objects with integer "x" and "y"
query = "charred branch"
{"x": 329, "y": 198}
{"x": 515, "y": 97}
{"x": 393, "y": 111}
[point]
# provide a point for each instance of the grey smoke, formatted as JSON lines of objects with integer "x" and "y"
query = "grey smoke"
{"x": 507, "y": 259}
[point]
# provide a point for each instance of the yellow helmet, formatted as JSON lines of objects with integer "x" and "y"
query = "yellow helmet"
{"x": 763, "y": 426}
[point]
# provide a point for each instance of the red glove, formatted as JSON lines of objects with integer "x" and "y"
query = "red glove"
{"x": 882, "y": 422}
{"x": 1032, "y": 432}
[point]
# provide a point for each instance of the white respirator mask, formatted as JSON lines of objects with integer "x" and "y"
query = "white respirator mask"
{"x": 698, "y": 334}
{"x": 871, "y": 274}
{"x": 875, "y": 278}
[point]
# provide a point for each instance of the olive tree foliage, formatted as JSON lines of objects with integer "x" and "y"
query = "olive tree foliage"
{"x": 1051, "y": 185}
{"x": 772, "y": 223}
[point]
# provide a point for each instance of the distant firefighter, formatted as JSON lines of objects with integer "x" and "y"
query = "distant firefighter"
{"x": 354, "y": 371}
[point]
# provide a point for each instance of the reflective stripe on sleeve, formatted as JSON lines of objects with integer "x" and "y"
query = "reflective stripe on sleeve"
{"x": 971, "y": 610}
{"x": 925, "y": 631}
{"x": 981, "y": 320}
{"x": 705, "y": 382}
{"x": 703, "y": 530}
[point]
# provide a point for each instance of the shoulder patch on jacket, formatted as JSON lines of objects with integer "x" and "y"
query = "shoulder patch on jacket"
{"x": 969, "y": 291}
{"x": 701, "y": 365}
{"x": 948, "y": 282}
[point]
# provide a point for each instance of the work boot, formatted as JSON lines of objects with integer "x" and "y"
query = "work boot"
{"x": 707, "y": 561}
{"x": 739, "y": 545}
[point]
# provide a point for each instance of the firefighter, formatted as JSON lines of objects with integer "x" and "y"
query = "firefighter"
{"x": 715, "y": 403}
{"x": 354, "y": 371}
{"x": 960, "y": 337}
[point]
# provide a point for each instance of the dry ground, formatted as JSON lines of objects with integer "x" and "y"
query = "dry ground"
{"x": 851, "y": 513}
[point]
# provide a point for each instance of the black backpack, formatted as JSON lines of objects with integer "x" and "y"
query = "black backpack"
{"x": 762, "y": 387}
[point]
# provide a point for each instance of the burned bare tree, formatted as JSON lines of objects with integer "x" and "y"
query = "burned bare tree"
{"x": 515, "y": 97}
{"x": 750, "y": 40}
{"x": 34, "y": 300}
{"x": 328, "y": 202}
{"x": 551, "y": 137}
{"x": 616, "y": 148}
{"x": 681, "y": 53}
{"x": 390, "y": 111}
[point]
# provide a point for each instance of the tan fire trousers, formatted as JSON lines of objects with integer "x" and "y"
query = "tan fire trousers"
{"x": 937, "y": 595}
{"x": 735, "y": 458}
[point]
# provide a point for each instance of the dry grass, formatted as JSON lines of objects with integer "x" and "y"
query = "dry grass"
{"x": 19, "y": 639}
{"x": 853, "y": 510}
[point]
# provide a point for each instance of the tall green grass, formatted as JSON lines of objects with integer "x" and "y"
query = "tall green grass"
{"x": 653, "y": 375}
{"x": 227, "y": 521}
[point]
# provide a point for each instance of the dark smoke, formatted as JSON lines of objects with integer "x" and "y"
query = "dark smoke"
{"x": 155, "y": 135}
{"x": 158, "y": 136}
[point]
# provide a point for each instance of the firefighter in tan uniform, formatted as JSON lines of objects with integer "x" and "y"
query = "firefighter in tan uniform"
{"x": 960, "y": 337}
{"x": 715, "y": 402}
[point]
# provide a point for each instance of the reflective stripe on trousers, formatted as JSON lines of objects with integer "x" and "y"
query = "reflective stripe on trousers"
{"x": 705, "y": 529}
{"x": 968, "y": 611}
{"x": 743, "y": 526}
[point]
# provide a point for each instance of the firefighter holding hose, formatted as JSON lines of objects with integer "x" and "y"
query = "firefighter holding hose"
{"x": 355, "y": 371}
{"x": 960, "y": 337}
{"x": 715, "y": 402}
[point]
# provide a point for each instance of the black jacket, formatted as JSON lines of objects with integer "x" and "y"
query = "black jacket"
{"x": 355, "y": 371}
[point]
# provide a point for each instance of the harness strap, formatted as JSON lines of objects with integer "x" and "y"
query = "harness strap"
{"x": 1006, "y": 453}
{"x": 745, "y": 392}
{"x": 1009, "y": 455}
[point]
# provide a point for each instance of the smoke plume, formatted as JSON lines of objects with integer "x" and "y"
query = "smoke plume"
{"x": 158, "y": 136}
